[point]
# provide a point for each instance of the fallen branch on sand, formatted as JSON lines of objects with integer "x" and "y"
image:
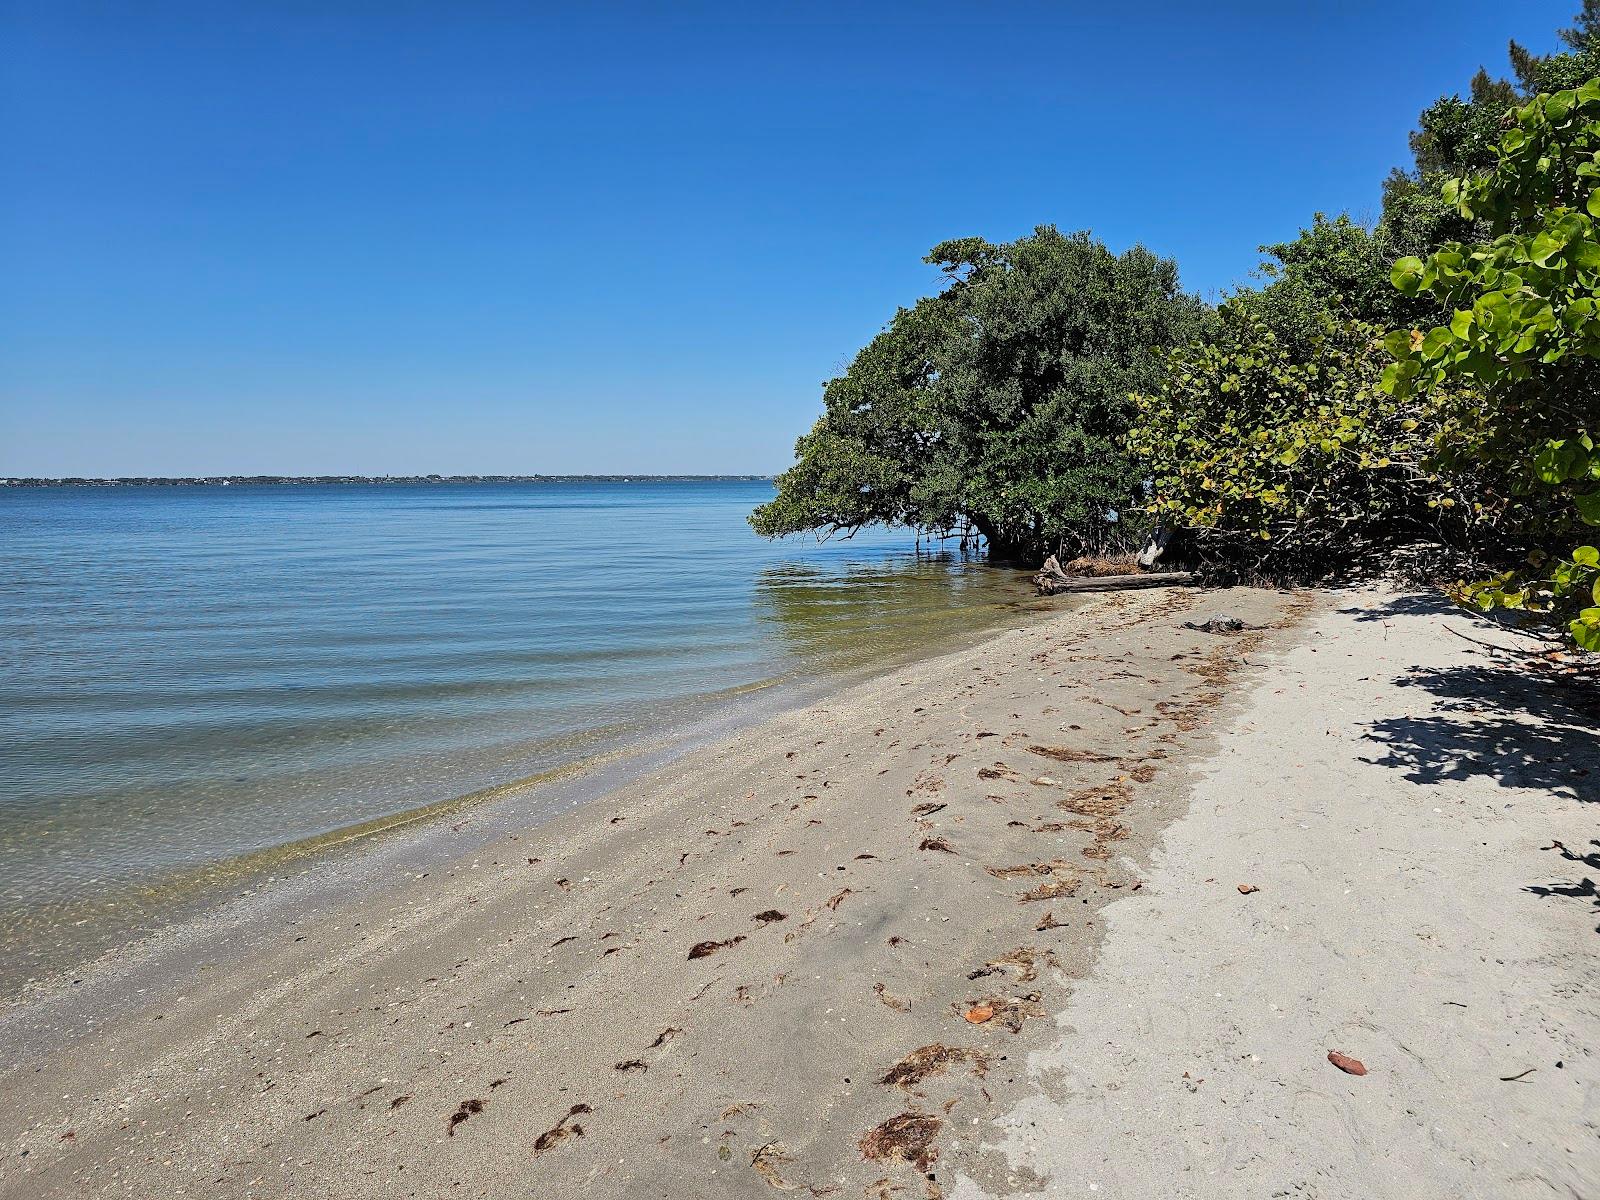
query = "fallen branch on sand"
{"x": 1053, "y": 578}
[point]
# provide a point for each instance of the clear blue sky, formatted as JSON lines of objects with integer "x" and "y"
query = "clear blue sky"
{"x": 312, "y": 236}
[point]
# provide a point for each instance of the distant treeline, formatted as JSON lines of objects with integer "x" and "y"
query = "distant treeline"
{"x": 310, "y": 480}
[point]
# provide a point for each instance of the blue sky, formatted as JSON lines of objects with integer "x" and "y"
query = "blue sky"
{"x": 316, "y": 236}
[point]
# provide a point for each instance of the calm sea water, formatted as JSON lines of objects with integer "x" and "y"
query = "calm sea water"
{"x": 192, "y": 674}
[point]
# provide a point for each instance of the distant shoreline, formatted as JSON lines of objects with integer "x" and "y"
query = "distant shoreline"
{"x": 325, "y": 480}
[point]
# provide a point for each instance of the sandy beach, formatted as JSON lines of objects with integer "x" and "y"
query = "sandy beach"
{"x": 1080, "y": 910}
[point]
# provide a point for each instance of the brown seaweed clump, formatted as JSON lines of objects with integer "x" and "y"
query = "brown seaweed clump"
{"x": 905, "y": 1137}
{"x": 561, "y": 1131}
{"x": 1068, "y": 755}
{"x": 928, "y": 1061}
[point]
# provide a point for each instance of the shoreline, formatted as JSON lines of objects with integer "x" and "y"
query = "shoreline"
{"x": 182, "y": 903}
{"x": 458, "y": 961}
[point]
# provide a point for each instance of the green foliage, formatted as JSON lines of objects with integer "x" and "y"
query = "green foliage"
{"x": 1282, "y": 461}
{"x": 1456, "y": 135}
{"x": 1525, "y": 327}
{"x": 1335, "y": 271}
{"x": 1003, "y": 400}
{"x": 1584, "y": 32}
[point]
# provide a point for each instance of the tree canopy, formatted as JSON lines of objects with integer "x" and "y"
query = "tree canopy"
{"x": 1052, "y": 389}
{"x": 1002, "y": 401}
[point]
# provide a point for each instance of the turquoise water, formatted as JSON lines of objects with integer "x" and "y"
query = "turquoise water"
{"x": 192, "y": 674}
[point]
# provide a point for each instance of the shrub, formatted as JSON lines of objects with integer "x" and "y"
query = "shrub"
{"x": 1284, "y": 464}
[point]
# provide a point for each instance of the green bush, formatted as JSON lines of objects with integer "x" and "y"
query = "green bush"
{"x": 1286, "y": 463}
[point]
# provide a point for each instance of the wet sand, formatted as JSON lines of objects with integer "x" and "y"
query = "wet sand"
{"x": 815, "y": 956}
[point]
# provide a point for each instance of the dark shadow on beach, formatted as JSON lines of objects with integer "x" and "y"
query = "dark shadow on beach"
{"x": 1510, "y": 717}
{"x": 1583, "y": 889}
{"x": 1406, "y": 604}
{"x": 1436, "y": 604}
{"x": 1521, "y": 728}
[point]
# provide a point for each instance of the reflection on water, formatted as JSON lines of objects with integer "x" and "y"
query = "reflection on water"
{"x": 192, "y": 675}
{"x": 886, "y": 607}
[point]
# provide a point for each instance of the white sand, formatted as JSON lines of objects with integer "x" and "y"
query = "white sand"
{"x": 1394, "y": 792}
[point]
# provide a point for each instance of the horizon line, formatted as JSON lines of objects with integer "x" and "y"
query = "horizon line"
{"x": 271, "y": 479}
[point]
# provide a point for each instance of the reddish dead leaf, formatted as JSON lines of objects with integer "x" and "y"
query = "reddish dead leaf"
{"x": 1246, "y": 888}
{"x": 936, "y": 843}
{"x": 1010, "y": 1011}
{"x": 1350, "y": 1066}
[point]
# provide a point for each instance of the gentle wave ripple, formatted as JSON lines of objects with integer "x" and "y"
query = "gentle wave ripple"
{"x": 189, "y": 674}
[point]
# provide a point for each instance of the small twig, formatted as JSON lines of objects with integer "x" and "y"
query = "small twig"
{"x": 1520, "y": 1075}
{"x": 1491, "y": 646}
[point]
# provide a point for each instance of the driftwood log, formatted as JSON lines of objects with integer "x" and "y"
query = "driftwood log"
{"x": 1051, "y": 579}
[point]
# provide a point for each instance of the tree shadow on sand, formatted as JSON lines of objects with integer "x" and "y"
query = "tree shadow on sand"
{"x": 1521, "y": 729}
{"x": 1502, "y": 716}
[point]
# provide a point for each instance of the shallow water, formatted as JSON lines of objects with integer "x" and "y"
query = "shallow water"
{"x": 193, "y": 674}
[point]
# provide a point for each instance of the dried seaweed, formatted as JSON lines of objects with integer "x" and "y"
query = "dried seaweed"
{"x": 1053, "y": 889}
{"x": 927, "y": 1061}
{"x": 906, "y": 1137}
{"x": 1010, "y": 1011}
{"x": 467, "y": 1108}
{"x": 998, "y": 771}
{"x": 765, "y": 1161}
{"x": 703, "y": 949}
{"x": 894, "y": 1002}
{"x": 1105, "y": 801}
{"x": 563, "y": 1129}
{"x": 1066, "y": 754}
